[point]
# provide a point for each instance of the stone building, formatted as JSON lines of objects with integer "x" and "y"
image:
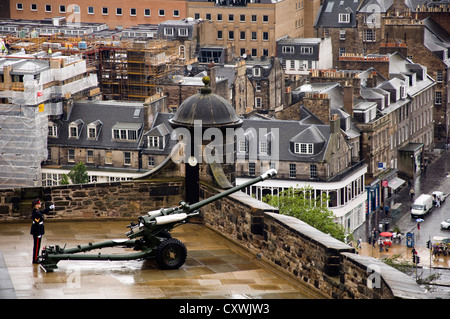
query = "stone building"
{"x": 300, "y": 55}
{"x": 426, "y": 42}
{"x": 252, "y": 27}
{"x": 354, "y": 27}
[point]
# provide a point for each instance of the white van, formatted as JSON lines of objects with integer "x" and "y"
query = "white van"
{"x": 422, "y": 205}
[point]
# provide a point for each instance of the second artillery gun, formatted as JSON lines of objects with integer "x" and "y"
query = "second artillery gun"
{"x": 150, "y": 236}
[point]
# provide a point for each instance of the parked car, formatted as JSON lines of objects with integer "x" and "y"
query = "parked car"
{"x": 446, "y": 224}
{"x": 422, "y": 205}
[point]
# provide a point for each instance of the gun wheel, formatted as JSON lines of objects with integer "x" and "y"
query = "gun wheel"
{"x": 171, "y": 254}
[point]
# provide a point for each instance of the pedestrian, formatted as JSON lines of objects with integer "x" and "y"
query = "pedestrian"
{"x": 411, "y": 193}
{"x": 418, "y": 226}
{"x": 386, "y": 210}
{"x": 37, "y": 226}
{"x": 359, "y": 243}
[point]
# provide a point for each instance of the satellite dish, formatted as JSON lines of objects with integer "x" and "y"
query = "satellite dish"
{"x": 192, "y": 161}
{"x": 244, "y": 56}
{"x": 189, "y": 67}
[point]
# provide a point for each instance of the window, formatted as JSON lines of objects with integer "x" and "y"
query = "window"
{"x": 48, "y": 8}
{"x": 313, "y": 171}
{"x": 251, "y": 169}
{"x": 242, "y": 18}
{"x": 208, "y": 16}
{"x": 292, "y": 171}
{"x": 126, "y": 158}
{"x": 119, "y": 11}
{"x": 243, "y": 146}
{"x": 219, "y": 34}
{"x": 108, "y": 158}
{"x": 230, "y": 35}
{"x": 258, "y": 86}
{"x": 254, "y": 35}
{"x": 344, "y": 18}
{"x": 71, "y": 155}
{"x": 33, "y": 7}
{"x": 153, "y": 141}
{"x": 151, "y": 161}
{"x": 219, "y": 17}
{"x": 90, "y": 156}
{"x": 230, "y": 17}
{"x": 292, "y": 64}
{"x": 254, "y": 19}
{"x": 438, "y": 97}
{"x": 255, "y": 52}
{"x": 256, "y": 71}
{"x": 105, "y": 11}
{"x": 176, "y": 13}
{"x": 369, "y": 35}
{"x": 168, "y": 31}
{"x": 162, "y": 12}
{"x": 265, "y": 18}
{"x": 303, "y": 148}
{"x": 183, "y": 32}
{"x": 126, "y": 131}
{"x": 196, "y": 16}
{"x": 306, "y": 50}
{"x": 133, "y": 12}
{"x": 265, "y": 36}
{"x": 342, "y": 34}
{"x": 439, "y": 76}
{"x": 242, "y": 35}
{"x": 288, "y": 49}
{"x": 52, "y": 129}
{"x": 263, "y": 148}
{"x": 75, "y": 128}
{"x": 19, "y": 6}
{"x": 146, "y": 12}
{"x": 258, "y": 102}
{"x": 90, "y": 10}
{"x": 62, "y": 9}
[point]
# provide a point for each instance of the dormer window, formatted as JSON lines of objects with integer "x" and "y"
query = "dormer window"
{"x": 304, "y": 148}
{"x": 52, "y": 129}
{"x": 344, "y": 17}
{"x": 306, "y": 50}
{"x": 288, "y": 49}
{"x": 156, "y": 138}
{"x": 75, "y": 129}
{"x": 256, "y": 71}
{"x": 128, "y": 132}
{"x": 153, "y": 142}
{"x": 94, "y": 129}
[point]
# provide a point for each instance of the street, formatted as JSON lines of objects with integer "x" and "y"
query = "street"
{"x": 435, "y": 178}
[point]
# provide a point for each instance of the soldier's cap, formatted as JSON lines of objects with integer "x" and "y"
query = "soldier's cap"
{"x": 35, "y": 202}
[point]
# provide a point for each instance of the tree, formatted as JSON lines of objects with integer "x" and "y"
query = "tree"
{"x": 301, "y": 204}
{"x": 78, "y": 174}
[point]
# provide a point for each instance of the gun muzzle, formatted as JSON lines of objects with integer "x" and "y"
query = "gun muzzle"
{"x": 269, "y": 174}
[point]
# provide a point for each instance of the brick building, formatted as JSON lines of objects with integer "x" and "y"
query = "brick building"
{"x": 114, "y": 13}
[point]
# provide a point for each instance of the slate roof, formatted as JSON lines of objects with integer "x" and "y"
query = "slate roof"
{"x": 328, "y": 15}
{"x": 109, "y": 113}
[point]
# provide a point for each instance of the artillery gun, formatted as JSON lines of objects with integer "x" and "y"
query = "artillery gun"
{"x": 150, "y": 237}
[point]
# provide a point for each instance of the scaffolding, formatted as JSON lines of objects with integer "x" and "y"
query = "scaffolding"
{"x": 132, "y": 70}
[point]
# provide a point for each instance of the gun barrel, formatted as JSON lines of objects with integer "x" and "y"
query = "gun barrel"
{"x": 269, "y": 174}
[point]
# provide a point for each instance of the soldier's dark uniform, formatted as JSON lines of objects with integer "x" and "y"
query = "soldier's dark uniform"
{"x": 37, "y": 228}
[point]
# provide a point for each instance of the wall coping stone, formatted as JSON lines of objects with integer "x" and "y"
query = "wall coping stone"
{"x": 401, "y": 285}
{"x": 306, "y": 230}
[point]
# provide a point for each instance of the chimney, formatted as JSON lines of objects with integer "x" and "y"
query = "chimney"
{"x": 348, "y": 99}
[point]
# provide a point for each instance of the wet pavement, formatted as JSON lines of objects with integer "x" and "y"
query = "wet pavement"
{"x": 215, "y": 267}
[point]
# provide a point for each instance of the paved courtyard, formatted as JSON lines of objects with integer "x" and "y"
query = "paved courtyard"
{"x": 215, "y": 267}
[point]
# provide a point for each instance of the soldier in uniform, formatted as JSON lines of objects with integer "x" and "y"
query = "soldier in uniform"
{"x": 37, "y": 227}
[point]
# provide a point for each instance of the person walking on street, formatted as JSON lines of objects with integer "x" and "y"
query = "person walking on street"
{"x": 37, "y": 226}
{"x": 411, "y": 193}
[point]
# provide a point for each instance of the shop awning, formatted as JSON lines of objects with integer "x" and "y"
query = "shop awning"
{"x": 395, "y": 183}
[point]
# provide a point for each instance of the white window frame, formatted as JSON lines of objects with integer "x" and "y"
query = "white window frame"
{"x": 19, "y": 6}
{"x": 304, "y": 148}
{"x": 183, "y": 32}
{"x": 89, "y": 10}
{"x": 344, "y": 18}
